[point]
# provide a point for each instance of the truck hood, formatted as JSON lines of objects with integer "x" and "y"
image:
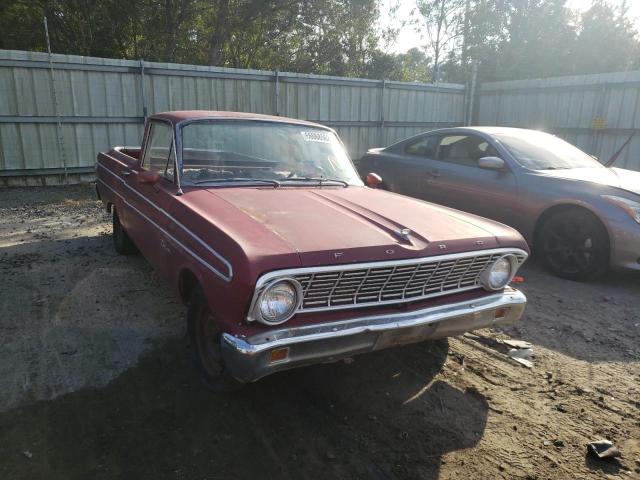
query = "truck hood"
{"x": 333, "y": 225}
{"x": 612, "y": 177}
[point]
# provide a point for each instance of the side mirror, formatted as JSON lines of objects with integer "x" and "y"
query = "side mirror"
{"x": 373, "y": 180}
{"x": 148, "y": 177}
{"x": 491, "y": 163}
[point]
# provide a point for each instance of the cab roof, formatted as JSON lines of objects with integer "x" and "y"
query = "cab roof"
{"x": 178, "y": 116}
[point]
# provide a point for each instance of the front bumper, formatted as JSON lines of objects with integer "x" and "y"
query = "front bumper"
{"x": 249, "y": 359}
{"x": 625, "y": 250}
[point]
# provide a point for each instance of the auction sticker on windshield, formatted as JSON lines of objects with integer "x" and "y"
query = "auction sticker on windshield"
{"x": 322, "y": 137}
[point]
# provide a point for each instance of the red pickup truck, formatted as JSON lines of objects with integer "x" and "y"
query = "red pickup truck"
{"x": 285, "y": 258}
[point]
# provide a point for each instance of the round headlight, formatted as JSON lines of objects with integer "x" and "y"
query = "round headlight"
{"x": 499, "y": 273}
{"x": 278, "y": 302}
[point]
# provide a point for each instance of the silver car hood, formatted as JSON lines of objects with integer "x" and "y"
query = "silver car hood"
{"x": 613, "y": 177}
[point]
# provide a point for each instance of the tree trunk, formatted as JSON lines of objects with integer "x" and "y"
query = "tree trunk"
{"x": 170, "y": 31}
{"x": 465, "y": 34}
{"x": 219, "y": 35}
{"x": 436, "y": 47}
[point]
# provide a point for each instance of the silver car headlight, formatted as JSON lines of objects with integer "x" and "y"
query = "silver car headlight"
{"x": 630, "y": 206}
{"x": 497, "y": 275}
{"x": 278, "y": 301}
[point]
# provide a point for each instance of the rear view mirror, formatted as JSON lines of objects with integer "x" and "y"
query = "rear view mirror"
{"x": 373, "y": 180}
{"x": 491, "y": 163}
{"x": 148, "y": 178}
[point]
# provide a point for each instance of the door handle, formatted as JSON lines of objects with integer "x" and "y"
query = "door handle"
{"x": 434, "y": 173}
{"x": 125, "y": 173}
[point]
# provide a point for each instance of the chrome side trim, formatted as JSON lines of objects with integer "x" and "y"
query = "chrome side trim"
{"x": 226, "y": 278}
{"x": 226, "y": 263}
{"x": 270, "y": 276}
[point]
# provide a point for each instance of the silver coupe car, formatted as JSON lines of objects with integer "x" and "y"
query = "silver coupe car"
{"x": 580, "y": 216}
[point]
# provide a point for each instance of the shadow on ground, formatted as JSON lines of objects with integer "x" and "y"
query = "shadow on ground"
{"x": 380, "y": 417}
{"x": 75, "y": 314}
{"x": 597, "y": 320}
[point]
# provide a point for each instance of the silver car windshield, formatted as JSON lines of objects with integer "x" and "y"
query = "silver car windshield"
{"x": 263, "y": 152}
{"x": 542, "y": 151}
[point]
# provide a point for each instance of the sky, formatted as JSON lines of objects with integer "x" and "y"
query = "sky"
{"x": 408, "y": 38}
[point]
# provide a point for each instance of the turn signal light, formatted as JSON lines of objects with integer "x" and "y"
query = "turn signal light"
{"x": 279, "y": 354}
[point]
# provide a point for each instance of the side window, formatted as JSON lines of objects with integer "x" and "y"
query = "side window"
{"x": 464, "y": 149}
{"x": 159, "y": 153}
{"x": 423, "y": 147}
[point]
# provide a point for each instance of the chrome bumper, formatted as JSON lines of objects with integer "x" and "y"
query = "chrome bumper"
{"x": 249, "y": 359}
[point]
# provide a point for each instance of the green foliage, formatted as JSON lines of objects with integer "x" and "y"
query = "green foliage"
{"x": 336, "y": 37}
{"x": 442, "y": 24}
{"x": 412, "y": 66}
{"x": 507, "y": 39}
{"x": 606, "y": 41}
{"x": 539, "y": 38}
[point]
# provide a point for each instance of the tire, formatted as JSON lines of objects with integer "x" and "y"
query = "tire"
{"x": 573, "y": 244}
{"x": 205, "y": 336}
{"x": 121, "y": 240}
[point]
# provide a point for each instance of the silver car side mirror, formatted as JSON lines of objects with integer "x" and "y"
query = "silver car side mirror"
{"x": 491, "y": 163}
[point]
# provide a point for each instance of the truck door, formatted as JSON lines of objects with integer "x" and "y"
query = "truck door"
{"x": 148, "y": 225}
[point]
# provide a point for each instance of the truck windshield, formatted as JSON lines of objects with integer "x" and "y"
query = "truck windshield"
{"x": 227, "y": 151}
{"x": 542, "y": 151}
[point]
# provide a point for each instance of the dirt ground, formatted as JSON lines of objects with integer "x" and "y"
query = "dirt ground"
{"x": 95, "y": 380}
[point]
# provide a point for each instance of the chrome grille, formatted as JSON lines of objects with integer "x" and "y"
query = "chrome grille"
{"x": 355, "y": 287}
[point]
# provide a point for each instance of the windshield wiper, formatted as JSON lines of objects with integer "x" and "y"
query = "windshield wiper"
{"x": 275, "y": 183}
{"x": 319, "y": 181}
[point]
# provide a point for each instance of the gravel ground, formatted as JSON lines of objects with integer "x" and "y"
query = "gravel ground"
{"x": 95, "y": 380}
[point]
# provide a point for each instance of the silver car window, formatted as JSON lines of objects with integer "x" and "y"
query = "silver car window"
{"x": 423, "y": 147}
{"x": 464, "y": 149}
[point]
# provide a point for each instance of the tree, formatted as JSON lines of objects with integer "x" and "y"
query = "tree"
{"x": 75, "y": 26}
{"x": 607, "y": 40}
{"x": 509, "y": 39}
{"x": 443, "y": 23}
{"x": 538, "y": 41}
{"x": 412, "y": 66}
{"x": 540, "y": 38}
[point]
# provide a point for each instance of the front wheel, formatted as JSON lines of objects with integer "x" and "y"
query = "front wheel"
{"x": 206, "y": 351}
{"x": 121, "y": 240}
{"x": 573, "y": 244}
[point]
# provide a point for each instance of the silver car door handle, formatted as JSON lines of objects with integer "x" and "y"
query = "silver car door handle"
{"x": 434, "y": 173}
{"x": 125, "y": 173}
